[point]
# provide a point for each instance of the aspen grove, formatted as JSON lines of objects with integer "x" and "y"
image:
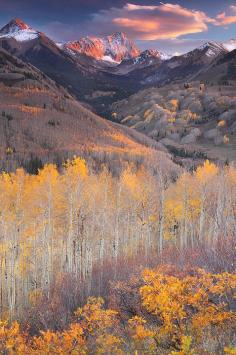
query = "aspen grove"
{"x": 90, "y": 227}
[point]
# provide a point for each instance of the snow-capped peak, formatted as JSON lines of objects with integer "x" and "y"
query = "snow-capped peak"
{"x": 208, "y": 44}
{"x": 116, "y": 47}
{"x": 18, "y": 30}
{"x": 211, "y": 44}
{"x": 212, "y": 48}
{"x": 209, "y": 49}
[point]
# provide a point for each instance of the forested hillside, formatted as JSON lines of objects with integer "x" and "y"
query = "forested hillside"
{"x": 40, "y": 122}
{"x": 193, "y": 121}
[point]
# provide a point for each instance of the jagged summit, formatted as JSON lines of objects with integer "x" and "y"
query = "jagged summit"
{"x": 120, "y": 35}
{"x": 114, "y": 47}
{"x": 17, "y": 23}
{"x": 145, "y": 58}
{"x": 213, "y": 49}
{"x": 211, "y": 44}
{"x": 154, "y": 53}
{"x": 19, "y": 30}
{"x": 209, "y": 49}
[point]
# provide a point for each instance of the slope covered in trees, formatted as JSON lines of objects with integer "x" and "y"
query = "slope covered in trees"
{"x": 194, "y": 122}
{"x": 40, "y": 122}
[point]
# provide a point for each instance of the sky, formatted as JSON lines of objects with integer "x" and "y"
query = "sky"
{"x": 172, "y": 26}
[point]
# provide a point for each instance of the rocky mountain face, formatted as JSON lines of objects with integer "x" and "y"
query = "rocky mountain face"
{"x": 114, "y": 48}
{"x": 183, "y": 67}
{"x": 207, "y": 50}
{"x": 150, "y": 54}
{"x": 145, "y": 59}
{"x": 222, "y": 70}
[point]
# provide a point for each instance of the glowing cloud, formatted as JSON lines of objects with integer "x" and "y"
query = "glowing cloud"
{"x": 162, "y": 21}
{"x": 226, "y": 19}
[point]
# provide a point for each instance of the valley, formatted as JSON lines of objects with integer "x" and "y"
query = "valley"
{"x": 41, "y": 122}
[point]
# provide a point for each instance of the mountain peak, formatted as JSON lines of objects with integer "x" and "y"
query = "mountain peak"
{"x": 115, "y": 47}
{"x": 18, "y": 23}
{"x": 121, "y": 35}
{"x": 211, "y": 44}
{"x": 19, "y": 30}
{"x": 144, "y": 59}
{"x": 209, "y": 49}
{"x": 155, "y": 53}
{"x": 213, "y": 49}
{"x": 14, "y": 25}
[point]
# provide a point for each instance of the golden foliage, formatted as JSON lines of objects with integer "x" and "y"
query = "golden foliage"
{"x": 221, "y": 123}
{"x": 181, "y": 311}
{"x": 207, "y": 172}
{"x": 187, "y": 304}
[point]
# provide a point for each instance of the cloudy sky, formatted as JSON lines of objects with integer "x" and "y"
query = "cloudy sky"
{"x": 172, "y": 26}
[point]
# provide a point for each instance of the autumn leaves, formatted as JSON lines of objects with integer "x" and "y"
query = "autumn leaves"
{"x": 189, "y": 314}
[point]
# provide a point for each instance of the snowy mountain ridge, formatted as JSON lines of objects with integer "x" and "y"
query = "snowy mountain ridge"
{"x": 114, "y": 48}
{"x": 209, "y": 49}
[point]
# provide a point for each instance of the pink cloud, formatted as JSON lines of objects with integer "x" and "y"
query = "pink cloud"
{"x": 226, "y": 18}
{"x": 162, "y": 21}
{"x": 143, "y": 22}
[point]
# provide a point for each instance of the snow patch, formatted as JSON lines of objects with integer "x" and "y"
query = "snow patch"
{"x": 107, "y": 58}
{"x": 60, "y": 44}
{"x": 210, "y": 53}
{"x": 21, "y": 35}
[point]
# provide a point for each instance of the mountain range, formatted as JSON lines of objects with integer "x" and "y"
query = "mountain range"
{"x": 100, "y": 71}
{"x": 112, "y": 78}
